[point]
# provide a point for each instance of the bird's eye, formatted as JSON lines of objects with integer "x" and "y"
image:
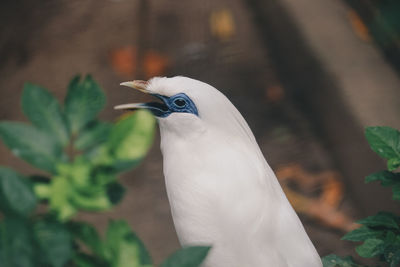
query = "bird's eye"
{"x": 180, "y": 102}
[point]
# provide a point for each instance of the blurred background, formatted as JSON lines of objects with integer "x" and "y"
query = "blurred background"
{"x": 308, "y": 76}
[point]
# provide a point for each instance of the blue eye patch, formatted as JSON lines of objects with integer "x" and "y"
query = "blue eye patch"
{"x": 176, "y": 103}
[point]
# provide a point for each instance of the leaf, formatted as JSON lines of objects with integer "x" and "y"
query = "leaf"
{"x": 382, "y": 219}
{"x": 369, "y": 248}
{"x": 395, "y": 259}
{"x": 124, "y": 248}
{"x": 385, "y": 177}
{"x": 88, "y": 235}
{"x": 93, "y": 134}
{"x": 385, "y": 141}
{"x": 336, "y": 261}
{"x": 42, "y": 191}
{"x": 77, "y": 172}
{"x": 44, "y": 111}
{"x": 59, "y": 200}
{"x": 362, "y": 234}
{"x": 16, "y": 243}
{"x": 30, "y": 144}
{"x": 132, "y": 136}
{"x": 16, "y": 194}
{"x": 83, "y": 102}
{"x": 396, "y": 192}
{"x": 84, "y": 260}
{"x": 115, "y": 192}
{"x": 391, "y": 248}
{"x": 187, "y": 257}
{"x": 393, "y": 164}
{"x": 54, "y": 242}
{"x": 95, "y": 201}
{"x": 77, "y": 187}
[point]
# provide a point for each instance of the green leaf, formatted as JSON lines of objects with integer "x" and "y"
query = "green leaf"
{"x": 42, "y": 190}
{"x": 396, "y": 192}
{"x": 124, "y": 248}
{"x": 44, "y": 111}
{"x": 83, "y": 102}
{"x": 362, "y": 234}
{"x": 95, "y": 201}
{"x": 78, "y": 172}
{"x": 88, "y": 235}
{"x": 93, "y": 134}
{"x": 16, "y": 246}
{"x": 395, "y": 260}
{"x": 106, "y": 164}
{"x": 385, "y": 141}
{"x": 41, "y": 186}
{"x": 16, "y": 193}
{"x": 84, "y": 260}
{"x": 59, "y": 200}
{"x": 393, "y": 164}
{"x": 54, "y": 242}
{"x": 115, "y": 192}
{"x": 132, "y": 136}
{"x": 336, "y": 261}
{"x": 370, "y": 248}
{"x": 30, "y": 144}
{"x": 382, "y": 219}
{"x": 187, "y": 257}
{"x": 385, "y": 177}
{"x": 391, "y": 248}
{"x": 104, "y": 175}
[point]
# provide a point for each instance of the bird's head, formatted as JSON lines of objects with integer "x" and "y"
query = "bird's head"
{"x": 175, "y": 95}
{"x": 187, "y": 105}
{"x": 183, "y": 102}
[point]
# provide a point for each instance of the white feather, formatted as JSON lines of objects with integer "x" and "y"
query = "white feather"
{"x": 221, "y": 190}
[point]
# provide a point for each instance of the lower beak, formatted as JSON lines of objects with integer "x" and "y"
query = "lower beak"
{"x": 132, "y": 106}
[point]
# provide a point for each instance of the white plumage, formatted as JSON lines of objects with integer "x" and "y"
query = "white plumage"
{"x": 221, "y": 190}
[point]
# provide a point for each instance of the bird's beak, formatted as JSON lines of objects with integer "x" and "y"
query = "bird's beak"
{"x": 157, "y": 108}
{"x": 138, "y": 85}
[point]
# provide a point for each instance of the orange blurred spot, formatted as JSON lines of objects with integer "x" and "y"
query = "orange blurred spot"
{"x": 325, "y": 206}
{"x": 155, "y": 64}
{"x": 124, "y": 62}
{"x": 275, "y": 93}
{"x": 222, "y": 24}
{"x": 358, "y": 26}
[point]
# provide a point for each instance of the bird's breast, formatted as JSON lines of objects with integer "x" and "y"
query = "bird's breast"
{"x": 206, "y": 179}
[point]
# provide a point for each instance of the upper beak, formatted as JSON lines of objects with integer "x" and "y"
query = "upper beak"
{"x": 138, "y": 85}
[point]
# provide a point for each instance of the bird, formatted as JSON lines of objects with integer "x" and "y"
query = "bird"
{"x": 220, "y": 188}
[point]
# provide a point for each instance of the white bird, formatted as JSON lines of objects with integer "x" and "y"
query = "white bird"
{"x": 221, "y": 190}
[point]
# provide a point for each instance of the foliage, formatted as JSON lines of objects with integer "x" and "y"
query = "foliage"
{"x": 380, "y": 233}
{"x": 82, "y": 157}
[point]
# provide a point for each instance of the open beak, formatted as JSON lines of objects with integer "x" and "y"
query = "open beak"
{"x": 138, "y": 85}
{"x": 157, "y": 108}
